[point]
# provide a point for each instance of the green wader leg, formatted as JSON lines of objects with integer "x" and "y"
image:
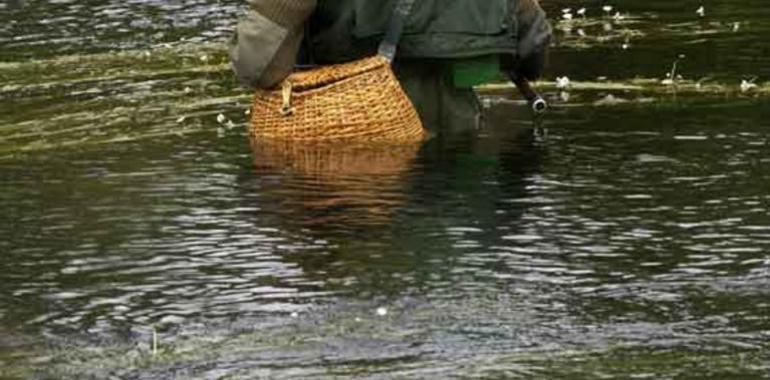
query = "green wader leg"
{"x": 444, "y": 109}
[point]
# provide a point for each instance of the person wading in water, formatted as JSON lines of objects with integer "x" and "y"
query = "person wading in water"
{"x": 448, "y": 47}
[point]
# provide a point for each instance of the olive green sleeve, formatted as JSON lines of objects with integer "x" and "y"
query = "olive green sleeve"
{"x": 254, "y": 44}
{"x": 534, "y": 37}
{"x": 264, "y": 46}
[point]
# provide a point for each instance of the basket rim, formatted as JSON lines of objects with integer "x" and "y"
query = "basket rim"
{"x": 378, "y": 63}
{"x": 312, "y": 91}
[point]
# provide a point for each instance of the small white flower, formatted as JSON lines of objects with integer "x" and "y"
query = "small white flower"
{"x": 230, "y": 124}
{"x": 701, "y": 11}
{"x": 667, "y": 82}
{"x": 187, "y": 90}
{"x": 567, "y": 16}
{"x": 566, "y": 10}
{"x": 625, "y": 46}
{"x": 581, "y": 32}
{"x": 221, "y": 119}
{"x": 381, "y": 311}
{"x": 607, "y": 8}
{"x": 736, "y": 26}
{"x": 247, "y": 112}
{"x": 181, "y": 119}
{"x": 562, "y": 82}
{"x": 581, "y": 11}
{"x": 204, "y": 58}
{"x": 295, "y": 315}
{"x": 747, "y": 85}
{"x": 619, "y": 17}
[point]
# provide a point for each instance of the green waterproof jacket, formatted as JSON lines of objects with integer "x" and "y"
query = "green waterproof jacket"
{"x": 347, "y": 29}
{"x": 516, "y": 30}
{"x": 344, "y": 30}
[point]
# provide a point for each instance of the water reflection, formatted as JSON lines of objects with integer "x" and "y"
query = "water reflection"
{"x": 632, "y": 238}
{"x": 341, "y": 184}
{"x": 608, "y": 232}
{"x": 382, "y": 212}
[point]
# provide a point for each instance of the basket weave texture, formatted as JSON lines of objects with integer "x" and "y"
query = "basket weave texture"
{"x": 360, "y": 101}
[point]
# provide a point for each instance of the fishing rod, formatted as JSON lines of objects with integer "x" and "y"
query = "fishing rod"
{"x": 538, "y": 104}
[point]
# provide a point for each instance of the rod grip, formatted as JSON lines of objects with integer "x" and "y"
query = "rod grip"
{"x": 538, "y": 104}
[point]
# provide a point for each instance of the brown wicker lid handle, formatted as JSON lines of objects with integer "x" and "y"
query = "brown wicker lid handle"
{"x": 286, "y": 108}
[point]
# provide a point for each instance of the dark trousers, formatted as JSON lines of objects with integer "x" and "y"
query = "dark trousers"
{"x": 443, "y": 108}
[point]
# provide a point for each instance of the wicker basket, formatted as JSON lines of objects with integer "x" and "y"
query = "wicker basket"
{"x": 359, "y": 101}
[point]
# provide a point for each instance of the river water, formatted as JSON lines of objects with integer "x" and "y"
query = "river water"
{"x": 624, "y": 235}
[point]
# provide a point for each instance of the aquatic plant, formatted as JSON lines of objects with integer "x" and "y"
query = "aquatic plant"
{"x": 645, "y": 90}
{"x": 562, "y": 82}
{"x": 748, "y": 85}
{"x": 115, "y": 97}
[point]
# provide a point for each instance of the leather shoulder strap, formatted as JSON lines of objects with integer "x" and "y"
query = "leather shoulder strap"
{"x": 398, "y": 19}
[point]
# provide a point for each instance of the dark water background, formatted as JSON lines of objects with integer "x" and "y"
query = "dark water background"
{"x": 628, "y": 240}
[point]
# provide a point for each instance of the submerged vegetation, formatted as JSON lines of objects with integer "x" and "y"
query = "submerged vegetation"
{"x": 109, "y": 98}
{"x": 116, "y": 97}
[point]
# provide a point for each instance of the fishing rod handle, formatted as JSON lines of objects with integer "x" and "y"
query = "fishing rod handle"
{"x": 538, "y": 104}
